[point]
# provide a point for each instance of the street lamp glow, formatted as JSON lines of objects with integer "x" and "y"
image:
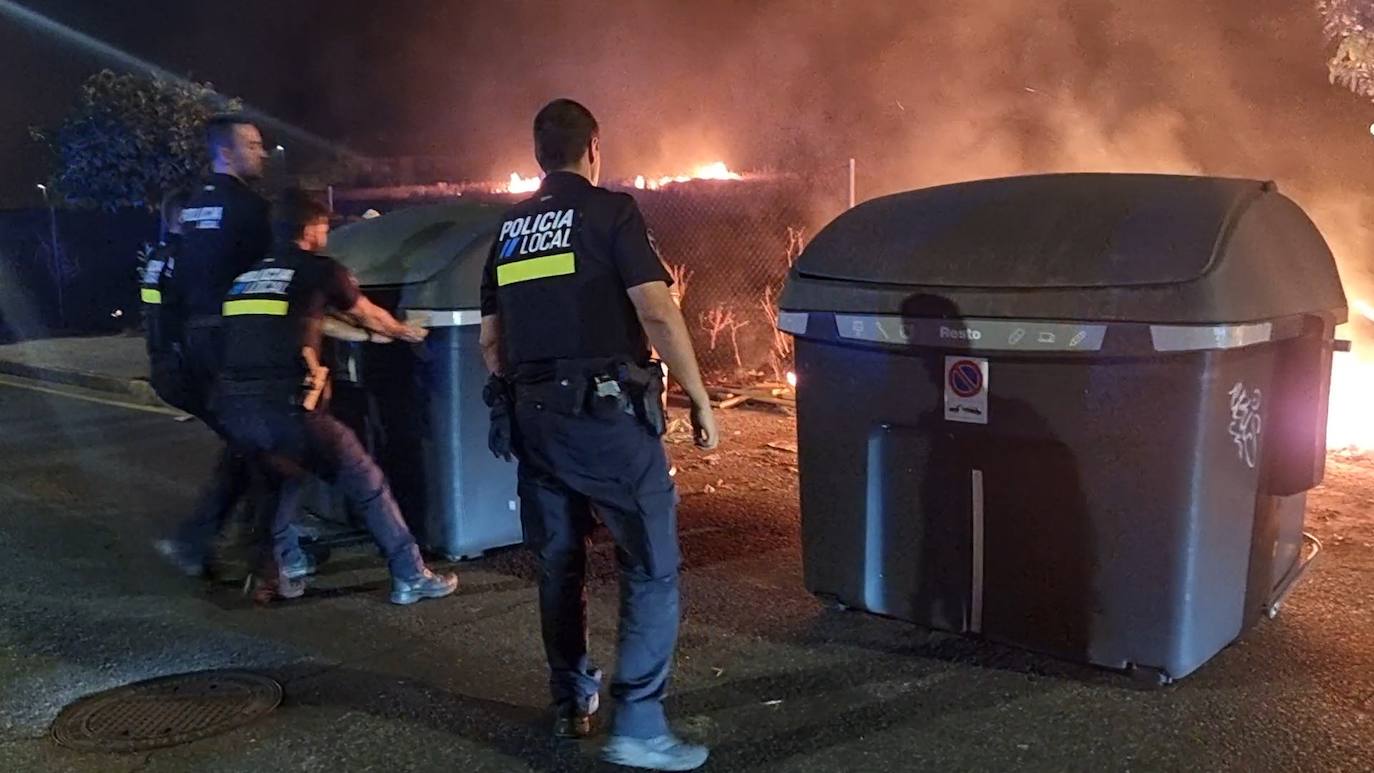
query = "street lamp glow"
{"x": 42, "y": 187}
{"x": 280, "y": 149}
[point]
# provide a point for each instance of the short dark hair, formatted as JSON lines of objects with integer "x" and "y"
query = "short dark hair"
{"x": 562, "y": 131}
{"x": 293, "y": 211}
{"x": 219, "y": 130}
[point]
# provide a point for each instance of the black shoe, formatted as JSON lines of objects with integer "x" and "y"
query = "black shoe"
{"x": 575, "y": 720}
{"x": 426, "y": 585}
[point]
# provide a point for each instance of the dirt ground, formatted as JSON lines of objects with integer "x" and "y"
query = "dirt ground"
{"x": 1341, "y": 511}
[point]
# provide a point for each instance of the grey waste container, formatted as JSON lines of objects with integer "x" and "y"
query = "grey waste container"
{"x": 1072, "y": 413}
{"x": 420, "y": 407}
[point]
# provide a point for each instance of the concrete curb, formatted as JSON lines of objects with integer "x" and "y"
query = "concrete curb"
{"x": 135, "y": 390}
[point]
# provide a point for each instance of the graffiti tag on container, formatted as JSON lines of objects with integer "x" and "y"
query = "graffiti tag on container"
{"x": 1245, "y": 425}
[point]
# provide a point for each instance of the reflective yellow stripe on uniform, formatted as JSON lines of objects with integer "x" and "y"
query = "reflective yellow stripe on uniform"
{"x": 544, "y": 267}
{"x": 256, "y": 307}
{"x": 149, "y": 295}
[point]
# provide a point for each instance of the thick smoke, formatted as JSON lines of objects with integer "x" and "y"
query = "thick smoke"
{"x": 919, "y": 93}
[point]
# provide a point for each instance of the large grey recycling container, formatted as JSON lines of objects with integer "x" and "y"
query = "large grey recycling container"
{"x": 423, "y": 412}
{"x": 1073, "y": 413}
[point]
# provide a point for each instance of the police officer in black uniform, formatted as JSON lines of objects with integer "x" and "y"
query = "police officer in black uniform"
{"x": 226, "y": 228}
{"x": 162, "y": 320}
{"x": 271, "y": 400}
{"x": 573, "y": 296}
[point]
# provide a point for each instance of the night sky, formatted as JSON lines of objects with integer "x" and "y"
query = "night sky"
{"x": 919, "y": 92}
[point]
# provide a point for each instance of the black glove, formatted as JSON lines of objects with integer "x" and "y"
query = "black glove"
{"x": 501, "y": 435}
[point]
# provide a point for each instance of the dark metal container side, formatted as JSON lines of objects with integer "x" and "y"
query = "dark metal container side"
{"x": 423, "y": 418}
{"x": 1116, "y": 508}
{"x": 472, "y": 494}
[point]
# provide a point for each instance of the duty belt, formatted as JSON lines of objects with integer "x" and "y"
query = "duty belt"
{"x": 574, "y": 387}
{"x": 258, "y": 387}
{"x": 204, "y": 320}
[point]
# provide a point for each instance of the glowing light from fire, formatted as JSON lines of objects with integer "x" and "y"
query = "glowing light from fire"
{"x": 518, "y": 184}
{"x": 1350, "y": 419}
{"x": 792, "y": 379}
{"x": 1363, "y": 308}
{"x": 716, "y": 170}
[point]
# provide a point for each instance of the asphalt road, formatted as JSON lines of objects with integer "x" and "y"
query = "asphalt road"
{"x": 767, "y": 676}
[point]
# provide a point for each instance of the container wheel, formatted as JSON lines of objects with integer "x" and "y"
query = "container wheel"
{"x": 1149, "y": 677}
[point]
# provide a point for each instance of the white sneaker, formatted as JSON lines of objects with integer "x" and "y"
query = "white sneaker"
{"x": 666, "y": 752}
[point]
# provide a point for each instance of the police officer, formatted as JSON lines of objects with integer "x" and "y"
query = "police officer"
{"x": 271, "y": 396}
{"x": 573, "y": 296}
{"x": 162, "y": 321}
{"x": 226, "y": 228}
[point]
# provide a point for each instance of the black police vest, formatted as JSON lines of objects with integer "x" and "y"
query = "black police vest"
{"x": 560, "y": 294}
{"x": 161, "y": 320}
{"x": 263, "y": 319}
{"x": 276, "y": 309}
{"x": 226, "y": 229}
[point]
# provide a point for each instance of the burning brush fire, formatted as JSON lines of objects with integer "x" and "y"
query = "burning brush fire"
{"x": 520, "y": 184}
{"x": 716, "y": 170}
{"x": 713, "y": 171}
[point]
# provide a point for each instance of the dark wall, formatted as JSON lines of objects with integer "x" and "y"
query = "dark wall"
{"x": 97, "y": 280}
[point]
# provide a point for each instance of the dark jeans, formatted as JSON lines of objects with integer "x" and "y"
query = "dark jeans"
{"x": 570, "y": 465}
{"x": 231, "y": 478}
{"x": 290, "y": 444}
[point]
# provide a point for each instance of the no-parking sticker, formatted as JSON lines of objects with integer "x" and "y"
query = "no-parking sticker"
{"x": 966, "y": 390}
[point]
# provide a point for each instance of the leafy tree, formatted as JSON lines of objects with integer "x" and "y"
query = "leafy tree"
{"x": 1350, "y": 24}
{"x": 130, "y": 139}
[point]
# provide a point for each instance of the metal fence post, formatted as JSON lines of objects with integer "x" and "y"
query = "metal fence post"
{"x": 851, "y": 183}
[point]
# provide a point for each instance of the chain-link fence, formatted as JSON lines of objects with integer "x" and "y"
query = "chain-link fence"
{"x": 729, "y": 244}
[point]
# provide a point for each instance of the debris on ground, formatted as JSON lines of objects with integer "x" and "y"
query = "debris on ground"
{"x": 724, "y": 397}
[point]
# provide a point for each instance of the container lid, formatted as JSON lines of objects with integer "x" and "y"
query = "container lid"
{"x": 435, "y": 253}
{"x": 1124, "y": 247}
{"x": 1049, "y": 231}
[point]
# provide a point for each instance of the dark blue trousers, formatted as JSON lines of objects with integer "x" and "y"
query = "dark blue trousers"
{"x": 233, "y": 476}
{"x": 573, "y": 470}
{"x": 229, "y": 482}
{"x": 290, "y": 444}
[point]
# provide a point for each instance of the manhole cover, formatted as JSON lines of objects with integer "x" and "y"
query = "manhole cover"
{"x": 166, "y": 711}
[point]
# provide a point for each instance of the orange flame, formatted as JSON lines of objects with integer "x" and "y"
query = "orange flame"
{"x": 518, "y": 184}
{"x": 1350, "y": 417}
{"x": 716, "y": 170}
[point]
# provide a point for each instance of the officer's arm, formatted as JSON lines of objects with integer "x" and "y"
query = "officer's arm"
{"x": 490, "y": 341}
{"x": 337, "y": 327}
{"x": 370, "y": 316}
{"x": 667, "y": 332}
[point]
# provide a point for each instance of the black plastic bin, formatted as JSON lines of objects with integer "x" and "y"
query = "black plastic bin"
{"x": 419, "y": 407}
{"x": 1072, "y": 413}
